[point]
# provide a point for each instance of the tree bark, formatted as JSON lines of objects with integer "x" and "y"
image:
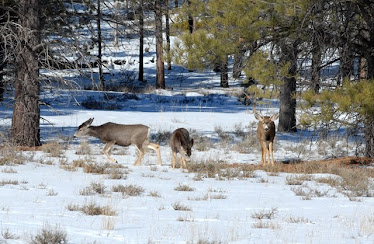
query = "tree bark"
{"x": 160, "y": 73}
{"x": 141, "y": 42}
{"x": 99, "y": 42}
{"x": 224, "y": 74}
{"x": 316, "y": 66}
{"x": 346, "y": 62}
{"x": 167, "y": 32}
{"x": 369, "y": 136}
{"x": 2, "y": 66}
{"x": 190, "y": 19}
{"x": 26, "y": 113}
{"x": 238, "y": 62}
{"x": 287, "y": 103}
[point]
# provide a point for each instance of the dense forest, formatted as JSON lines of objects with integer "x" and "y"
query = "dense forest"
{"x": 273, "y": 47}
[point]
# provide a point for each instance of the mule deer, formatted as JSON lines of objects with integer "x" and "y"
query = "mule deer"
{"x": 122, "y": 135}
{"x": 181, "y": 143}
{"x": 265, "y": 135}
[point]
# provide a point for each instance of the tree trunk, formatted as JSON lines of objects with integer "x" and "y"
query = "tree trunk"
{"x": 224, "y": 74}
{"x": 369, "y": 120}
{"x": 99, "y": 42}
{"x": 167, "y": 32}
{"x": 190, "y": 18}
{"x": 2, "y": 56}
{"x": 238, "y": 62}
{"x": 160, "y": 73}
{"x": 26, "y": 113}
{"x": 287, "y": 97}
{"x": 346, "y": 62}
{"x": 369, "y": 137}
{"x": 141, "y": 42}
{"x": 316, "y": 64}
{"x": 2, "y": 66}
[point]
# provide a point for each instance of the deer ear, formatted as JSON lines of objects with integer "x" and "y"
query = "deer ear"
{"x": 191, "y": 142}
{"x": 274, "y": 117}
{"x": 259, "y": 117}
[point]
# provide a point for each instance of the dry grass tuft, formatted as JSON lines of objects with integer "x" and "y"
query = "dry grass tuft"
{"x": 9, "y": 155}
{"x": 84, "y": 148}
{"x": 128, "y": 190}
{"x": 182, "y": 187}
{"x": 7, "y": 235}
{"x": 93, "y": 208}
{"x": 180, "y": 207}
{"x": 221, "y": 170}
{"x": 93, "y": 188}
{"x": 8, "y": 182}
{"x": 265, "y": 214}
{"x": 54, "y": 148}
{"x": 50, "y": 236}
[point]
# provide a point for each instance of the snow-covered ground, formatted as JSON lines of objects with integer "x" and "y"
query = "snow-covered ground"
{"x": 48, "y": 190}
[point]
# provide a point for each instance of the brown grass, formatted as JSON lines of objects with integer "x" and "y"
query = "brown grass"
{"x": 10, "y": 155}
{"x": 54, "y": 148}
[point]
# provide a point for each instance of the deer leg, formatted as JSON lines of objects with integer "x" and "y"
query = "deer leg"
{"x": 106, "y": 150}
{"x": 156, "y": 148}
{"x": 263, "y": 153}
{"x": 271, "y": 152}
{"x": 141, "y": 155}
{"x": 183, "y": 162}
{"x": 174, "y": 158}
{"x": 267, "y": 158}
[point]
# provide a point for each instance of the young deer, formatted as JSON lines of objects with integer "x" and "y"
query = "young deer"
{"x": 122, "y": 135}
{"x": 265, "y": 135}
{"x": 181, "y": 143}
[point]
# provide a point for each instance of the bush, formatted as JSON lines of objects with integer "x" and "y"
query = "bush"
{"x": 50, "y": 236}
{"x": 129, "y": 190}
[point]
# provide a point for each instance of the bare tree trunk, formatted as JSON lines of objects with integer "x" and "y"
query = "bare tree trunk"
{"x": 369, "y": 120}
{"x": 167, "y": 32}
{"x": 2, "y": 66}
{"x": 346, "y": 62}
{"x": 160, "y": 73}
{"x": 2, "y": 57}
{"x": 141, "y": 42}
{"x": 316, "y": 64}
{"x": 26, "y": 113}
{"x": 115, "y": 31}
{"x": 287, "y": 100}
{"x": 369, "y": 137}
{"x": 238, "y": 62}
{"x": 224, "y": 74}
{"x": 99, "y": 42}
{"x": 190, "y": 19}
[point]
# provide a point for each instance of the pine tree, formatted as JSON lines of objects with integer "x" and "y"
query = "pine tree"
{"x": 26, "y": 113}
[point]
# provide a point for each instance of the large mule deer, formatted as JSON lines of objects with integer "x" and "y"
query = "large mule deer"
{"x": 265, "y": 135}
{"x": 122, "y": 135}
{"x": 181, "y": 143}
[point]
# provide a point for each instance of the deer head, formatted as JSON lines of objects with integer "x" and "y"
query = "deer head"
{"x": 83, "y": 128}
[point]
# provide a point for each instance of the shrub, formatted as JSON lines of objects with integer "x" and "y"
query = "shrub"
{"x": 95, "y": 209}
{"x": 10, "y": 156}
{"x": 180, "y": 207}
{"x": 50, "y": 236}
{"x": 84, "y": 148}
{"x": 182, "y": 187}
{"x": 54, "y": 148}
{"x": 265, "y": 214}
{"x": 129, "y": 190}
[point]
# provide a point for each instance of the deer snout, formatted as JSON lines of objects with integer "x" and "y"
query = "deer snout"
{"x": 188, "y": 159}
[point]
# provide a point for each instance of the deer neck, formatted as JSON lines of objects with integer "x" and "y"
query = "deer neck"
{"x": 93, "y": 131}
